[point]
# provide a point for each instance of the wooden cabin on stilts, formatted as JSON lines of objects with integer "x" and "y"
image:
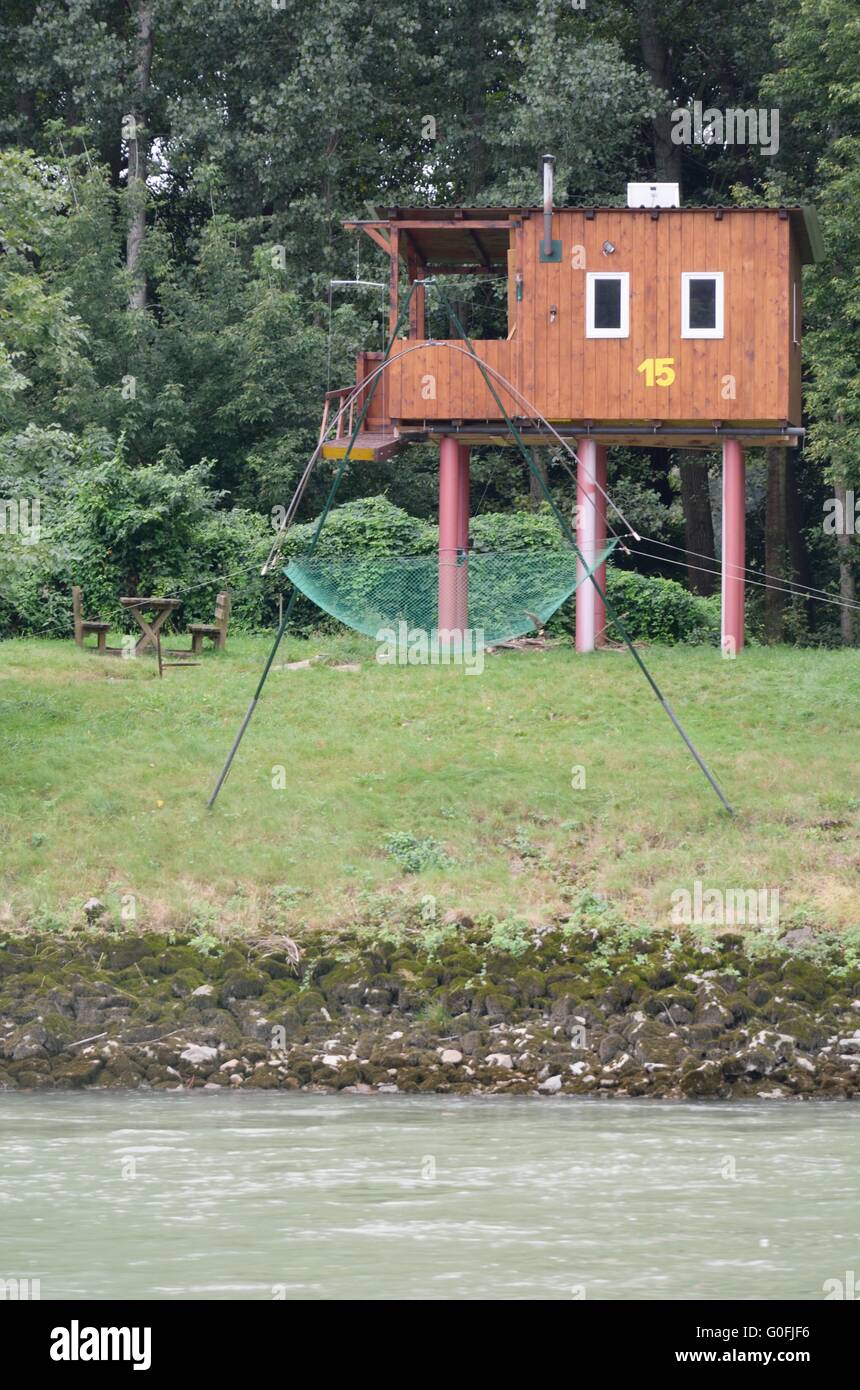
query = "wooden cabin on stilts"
{"x": 646, "y": 325}
{"x": 649, "y": 324}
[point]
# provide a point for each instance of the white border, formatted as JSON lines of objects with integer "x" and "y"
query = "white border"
{"x": 624, "y": 330}
{"x": 686, "y": 277}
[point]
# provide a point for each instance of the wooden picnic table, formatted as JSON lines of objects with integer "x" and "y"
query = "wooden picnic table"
{"x": 151, "y": 615}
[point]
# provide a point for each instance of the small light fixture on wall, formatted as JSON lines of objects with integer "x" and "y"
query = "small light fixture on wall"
{"x": 608, "y": 248}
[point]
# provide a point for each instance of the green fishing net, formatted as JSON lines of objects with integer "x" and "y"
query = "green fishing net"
{"x": 504, "y": 595}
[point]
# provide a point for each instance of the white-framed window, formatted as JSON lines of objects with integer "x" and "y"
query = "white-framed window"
{"x": 702, "y": 304}
{"x": 607, "y": 304}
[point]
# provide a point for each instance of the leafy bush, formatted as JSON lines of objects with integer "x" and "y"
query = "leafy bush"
{"x": 516, "y": 531}
{"x": 115, "y": 529}
{"x": 414, "y": 855}
{"x": 660, "y": 610}
{"x": 370, "y": 526}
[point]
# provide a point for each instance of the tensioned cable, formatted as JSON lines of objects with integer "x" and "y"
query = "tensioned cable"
{"x": 321, "y": 520}
{"x": 756, "y": 584}
{"x": 741, "y": 572}
{"x": 564, "y": 463}
{"x": 349, "y": 399}
{"x": 536, "y": 415}
{"x": 781, "y": 586}
{"x": 799, "y": 589}
{"x": 568, "y": 533}
{"x": 484, "y": 369}
{"x": 789, "y": 587}
{"x": 508, "y": 386}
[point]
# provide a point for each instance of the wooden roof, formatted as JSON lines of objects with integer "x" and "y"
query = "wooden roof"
{"x": 459, "y": 236}
{"x": 480, "y": 237}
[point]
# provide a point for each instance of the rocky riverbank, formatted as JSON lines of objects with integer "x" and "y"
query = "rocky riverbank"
{"x": 564, "y": 1009}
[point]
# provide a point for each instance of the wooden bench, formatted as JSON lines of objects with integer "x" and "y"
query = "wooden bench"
{"x": 217, "y": 631}
{"x": 84, "y": 626}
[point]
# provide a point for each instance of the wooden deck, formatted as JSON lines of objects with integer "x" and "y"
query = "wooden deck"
{"x": 371, "y": 446}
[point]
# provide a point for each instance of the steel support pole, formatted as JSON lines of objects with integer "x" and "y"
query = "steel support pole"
{"x": 600, "y": 544}
{"x": 734, "y": 546}
{"x": 463, "y": 536}
{"x": 587, "y": 545}
{"x": 449, "y": 617}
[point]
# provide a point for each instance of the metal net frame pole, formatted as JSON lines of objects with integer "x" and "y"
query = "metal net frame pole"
{"x": 223, "y": 774}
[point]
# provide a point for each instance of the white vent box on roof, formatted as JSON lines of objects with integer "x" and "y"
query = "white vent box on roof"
{"x": 653, "y": 195}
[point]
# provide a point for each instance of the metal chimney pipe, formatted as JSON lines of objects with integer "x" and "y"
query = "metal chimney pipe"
{"x": 548, "y": 161}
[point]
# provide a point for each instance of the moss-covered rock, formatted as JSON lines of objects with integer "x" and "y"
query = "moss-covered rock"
{"x": 243, "y": 983}
{"x": 605, "y": 1013}
{"x": 77, "y": 1071}
{"x": 702, "y": 1080}
{"x": 185, "y": 981}
{"x": 490, "y": 1002}
{"x": 264, "y": 1078}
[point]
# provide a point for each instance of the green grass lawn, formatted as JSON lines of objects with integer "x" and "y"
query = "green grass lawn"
{"x": 105, "y": 771}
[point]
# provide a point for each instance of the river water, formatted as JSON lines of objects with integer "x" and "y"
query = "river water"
{"x": 260, "y": 1196}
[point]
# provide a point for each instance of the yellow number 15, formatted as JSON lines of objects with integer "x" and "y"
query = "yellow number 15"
{"x": 659, "y": 371}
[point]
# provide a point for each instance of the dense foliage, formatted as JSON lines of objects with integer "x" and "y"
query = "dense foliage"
{"x": 173, "y": 178}
{"x": 115, "y": 528}
{"x": 651, "y": 608}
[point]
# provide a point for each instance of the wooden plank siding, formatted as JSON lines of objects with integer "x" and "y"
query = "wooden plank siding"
{"x": 443, "y": 368}
{"x": 571, "y": 378}
{"x": 795, "y": 369}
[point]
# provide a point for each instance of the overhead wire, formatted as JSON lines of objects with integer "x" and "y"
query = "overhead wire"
{"x": 791, "y": 588}
{"x": 757, "y": 584}
{"x": 484, "y": 369}
{"x": 798, "y": 588}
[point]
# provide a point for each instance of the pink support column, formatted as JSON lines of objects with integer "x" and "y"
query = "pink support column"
{"x": 450, "y": 531}
{"x": 590, "y": 538}
{"x": 600, "y": 543}
{"x": 734, "y": 547}
{"x": 463, "y": 536}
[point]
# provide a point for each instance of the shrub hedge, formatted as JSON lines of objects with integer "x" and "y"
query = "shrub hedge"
{"x": 115, "y": 528}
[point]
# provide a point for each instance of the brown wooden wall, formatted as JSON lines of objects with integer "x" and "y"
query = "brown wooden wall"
{"x": 570, "y": 377}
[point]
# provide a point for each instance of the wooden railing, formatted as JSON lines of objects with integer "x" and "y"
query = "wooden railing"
{"x": 346, "y": 422}
{"x": 377, "y": 416}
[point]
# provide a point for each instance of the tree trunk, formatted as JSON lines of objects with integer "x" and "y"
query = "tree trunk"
{"x": 112, "y": 156}
{"x": 846, "y": 569}
{"x": 661, "y": 461}
{"x": 786, "y": 555}
{"x": 794, "y": 522}
{"x": 658, "y": 63}
{"x": 536, "y": 496}
{"x": 776, "y": 558}
{"x": 138, "y": 155}
{"x": 25, "y": 109}
{"x": 702, "y": 568}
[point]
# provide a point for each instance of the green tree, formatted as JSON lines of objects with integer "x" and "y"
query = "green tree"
{"x": 41, "y": 337}
{"x": 819, "y": 86}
